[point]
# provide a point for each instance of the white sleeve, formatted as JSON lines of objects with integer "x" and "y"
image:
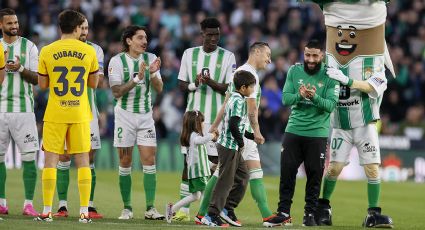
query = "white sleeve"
{"x": 378, "y": 83}
{"x": 115, "y": 72}
{"x": 198, "y": 139}
{"x": 33, "y": 59}
{"x": 151, "y": 60}
{"x": 183, "y": 72}
{"x": 231, "y": 67}
{"x": 100, "y": 58}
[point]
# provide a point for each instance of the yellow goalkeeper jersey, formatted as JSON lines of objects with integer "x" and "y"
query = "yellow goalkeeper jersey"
{"x": 68, "y": 63}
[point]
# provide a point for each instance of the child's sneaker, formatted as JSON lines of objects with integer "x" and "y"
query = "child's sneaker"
{"x": 181, "y": 216}
{"x": 169, "y": 212}
{"x": 214, "y": 221}
{"x": 230, "y": 217}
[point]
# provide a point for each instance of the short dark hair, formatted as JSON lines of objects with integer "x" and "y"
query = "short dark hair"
{"x": 257, "y": 45}
{"x": 69, "y": 20}
{"x": 6, "y": 12}
{"x": 129, "y": 32}
{"x": 314, "y": 44}
{"x": 210, "y": 23}
{"x": 243, "y": 78}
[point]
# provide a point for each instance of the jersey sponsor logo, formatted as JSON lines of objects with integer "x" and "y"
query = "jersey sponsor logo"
{"x": 368, "y": 148}
{"x": 348, "y": 103}
{"x": 69, "y": 103}
{"x": 150, "y": 134}
{"x": 30, "y": 138}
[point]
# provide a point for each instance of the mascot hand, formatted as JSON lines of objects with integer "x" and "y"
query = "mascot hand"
{"x": 337, "y": 75}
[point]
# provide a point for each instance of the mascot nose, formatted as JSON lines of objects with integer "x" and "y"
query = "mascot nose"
{"x": 344, "y": 41}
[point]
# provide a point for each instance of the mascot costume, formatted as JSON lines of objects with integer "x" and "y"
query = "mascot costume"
{"x": 356, "y": 55}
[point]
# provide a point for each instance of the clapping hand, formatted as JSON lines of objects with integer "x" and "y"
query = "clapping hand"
{"x": 155, "y": 65}
{"x": 338, "y": 75}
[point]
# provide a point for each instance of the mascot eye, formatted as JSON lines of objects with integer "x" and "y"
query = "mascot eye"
{"x": 339, "y": 33}
{"x": 352, "y": 34}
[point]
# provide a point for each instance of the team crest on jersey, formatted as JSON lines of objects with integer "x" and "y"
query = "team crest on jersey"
{"x": 301, "y": 81}
{"x": 194, "y": 63}
{"x": 368, "y": 72}
{"x": 320, "y": 84}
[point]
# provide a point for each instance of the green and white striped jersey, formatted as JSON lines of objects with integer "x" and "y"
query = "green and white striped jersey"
{"x": 235, "y": 106}
{"x": 123, "y": 68}
{"x": 92, "y": 92}
{"x": 197, "y": 157}
{"x": 256, "y": 94}
{"x": 355, "y": 108}
{"x": 221, "y": 64}
{"x": 16, "y": 94}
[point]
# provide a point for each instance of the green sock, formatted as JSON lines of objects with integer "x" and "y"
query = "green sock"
{"x": 125, "y": 186}
{"x": 373, "y": 192}
{"x": 2, "y": 180}
{"x": 328, "y": 187}
{"x": 184, "y": 191}
{"x": 149, "y": 183}
{"x": 203, "y": 208}
{"x": 30, "y": 178}
{"x": 62, "y": 181}
{"x": 93, "y": 183}
{"x": 258, "y": 193}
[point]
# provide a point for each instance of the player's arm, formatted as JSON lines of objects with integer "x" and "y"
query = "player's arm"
{"x": 219, "y": 117}
{"x": 219, "y": 87}
{"x": 156, "y": 79}
{"x": 93, "y": 80}
{"x": 184, "y": 77}
{"x": 116, "y": 79}
{"x": 327, "y": 103}
{"x": 222, "y": 87}
{"x": 30, "y": 75}
{"x": 290, "y": 96}
{"x": 374, "y": 86}
{"x": 43, "y": 77}
{"x": 43, "y": 81}
{"x": 253, "y": 120}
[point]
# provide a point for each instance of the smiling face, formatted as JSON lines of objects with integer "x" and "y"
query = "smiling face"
{"x": 138, "y": 43}
{"x": 347, "y": 43}
{"x": 10, "y": 25}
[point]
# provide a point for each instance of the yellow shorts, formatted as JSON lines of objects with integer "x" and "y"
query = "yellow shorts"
{"x": 77, "y": 136}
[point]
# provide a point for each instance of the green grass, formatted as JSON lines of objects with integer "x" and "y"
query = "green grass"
{"x": 404, "y": 202}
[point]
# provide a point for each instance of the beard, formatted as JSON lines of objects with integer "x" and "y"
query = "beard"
{"x": 8, "y": 33}
{"x": 313, "y": 71}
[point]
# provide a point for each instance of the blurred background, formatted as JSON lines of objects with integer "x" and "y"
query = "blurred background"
{"x": 173, "y": 26}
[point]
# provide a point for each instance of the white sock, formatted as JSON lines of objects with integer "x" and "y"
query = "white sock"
{"x": 27, "y": 202}
{"x": 84, "y": 210}
{"x": 187, "y": 200}
{"x": 91, "y": 204}
{"x": 3, "y": 202}
{"x": 185, "y": 210}
{"x": 47, "y": 209}
{"x": 63, "y": 203}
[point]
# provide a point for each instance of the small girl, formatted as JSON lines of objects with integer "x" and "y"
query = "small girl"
{"x": 197, "y": 159}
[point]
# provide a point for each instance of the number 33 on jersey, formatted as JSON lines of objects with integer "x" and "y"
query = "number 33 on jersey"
{"x": 68, "y": 64}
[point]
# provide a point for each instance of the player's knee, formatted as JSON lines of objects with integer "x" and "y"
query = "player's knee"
{"x": 29, "y": 156}
{"x": 372, "y": 171}
{"x": 334, "y": 169}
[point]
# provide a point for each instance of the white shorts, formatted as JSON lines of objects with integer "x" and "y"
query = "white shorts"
{"x": 250, "y": 152}
{"x": 364, "y": 138}
{"x": 133, "y": 128}
{"x": 22, "y": 128}
{"x": 94, "y": 134}
{"x": 211, "y": 148}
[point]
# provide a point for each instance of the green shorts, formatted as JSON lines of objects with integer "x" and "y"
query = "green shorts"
{"x": 197, "y": 184}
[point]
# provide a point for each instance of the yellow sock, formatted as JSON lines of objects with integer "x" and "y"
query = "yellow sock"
{"x": 84, "y": 185}
{"x": 49, "y": 185}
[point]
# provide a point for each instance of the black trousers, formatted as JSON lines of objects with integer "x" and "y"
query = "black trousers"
{"x": 295, "y": 150}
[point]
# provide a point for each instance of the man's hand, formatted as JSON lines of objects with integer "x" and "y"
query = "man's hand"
{"x": 198, "y": 80}
{"x": 155, "y": 65}
{"x": 142, "y": 68}
{"x": 14, "y": 66}
{"x": 303, "y": 91}
{"x": 258, "y": 138}
{"x": 311, "y": 91}
{"x": 338, "y": 75}
{"x": 206, "y": 78}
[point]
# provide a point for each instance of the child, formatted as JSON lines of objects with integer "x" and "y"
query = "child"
{"x": 233, "y": 171}
{"x": 197, "y": 159}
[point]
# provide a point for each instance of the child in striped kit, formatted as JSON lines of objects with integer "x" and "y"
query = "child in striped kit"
{"x": 197, "y": 159}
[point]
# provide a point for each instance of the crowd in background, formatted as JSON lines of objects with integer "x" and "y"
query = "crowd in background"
{"x": 173, "y": 26}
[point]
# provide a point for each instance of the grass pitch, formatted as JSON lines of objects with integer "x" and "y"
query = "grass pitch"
{"x": 404, "y": 202}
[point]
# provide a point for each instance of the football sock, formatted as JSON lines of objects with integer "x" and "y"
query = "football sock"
{"x": 93, "y": 183}
{"x": 149, "y": 183}
{"x": 29, "y": 176}
{"x": 205, "y": 202}
{"x": 328, "y": 187}
{"x": 184, "y": 191}
{"x": 373, "y": 192}
{"x": 63, "y": 180}
{"x": 125, "y": 186}
{"x": 48, "y": 179}
{"x": 3, "y": 181}
{"x": 186, "y": 200}
{"x": 258, "y": 191}
{"x": 84, "y": 185}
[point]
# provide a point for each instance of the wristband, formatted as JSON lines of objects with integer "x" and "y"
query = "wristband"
{"x": 192, "y": 87}
{"x": 136, "y": 80}
{"x": 21, "y": 69}
{"x": 350, "y": 82}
